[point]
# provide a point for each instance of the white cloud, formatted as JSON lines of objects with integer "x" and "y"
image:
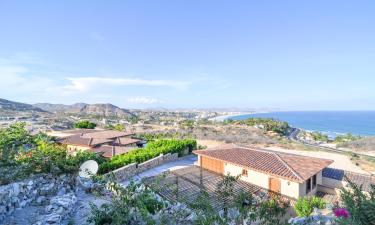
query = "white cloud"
{"x": 143, "y": 100}
{"x": 25, "y": 79}
{"x": 83, "y": 84}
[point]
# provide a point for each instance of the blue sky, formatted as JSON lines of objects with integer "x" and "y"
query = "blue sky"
{"x": 294, "y": 55}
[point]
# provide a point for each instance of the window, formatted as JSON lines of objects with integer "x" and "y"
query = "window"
{"x": 244, "y": 172}
{"x": 308, "y": 185}
{"x": 314, "y": 181}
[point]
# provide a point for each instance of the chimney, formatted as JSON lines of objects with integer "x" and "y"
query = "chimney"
{"x": 113, "y": 151}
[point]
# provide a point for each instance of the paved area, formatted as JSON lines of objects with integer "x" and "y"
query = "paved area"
{"x": 183, "y": 162}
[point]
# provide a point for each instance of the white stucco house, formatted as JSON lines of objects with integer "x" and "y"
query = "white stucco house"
{"x": 288, "y": 174}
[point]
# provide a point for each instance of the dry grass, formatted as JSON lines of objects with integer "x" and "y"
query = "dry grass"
{"x": 222, "y": 133}
{"x": 363, "y": 144}
{"x": 365, "y": 163}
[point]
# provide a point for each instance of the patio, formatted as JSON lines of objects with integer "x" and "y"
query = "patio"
{"x": 186, "y": 184}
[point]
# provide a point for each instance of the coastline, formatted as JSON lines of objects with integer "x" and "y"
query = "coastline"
{"x": 326, "y": 122}
{"x": 228, "y": 116}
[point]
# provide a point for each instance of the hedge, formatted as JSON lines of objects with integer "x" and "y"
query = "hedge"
{"x": 152, "y": 150}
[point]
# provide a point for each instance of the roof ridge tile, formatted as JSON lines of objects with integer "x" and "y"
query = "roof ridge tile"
{"x": 287, "y": 165}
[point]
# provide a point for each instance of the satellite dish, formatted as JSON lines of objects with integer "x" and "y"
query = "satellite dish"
{"x": 88, "y": 168}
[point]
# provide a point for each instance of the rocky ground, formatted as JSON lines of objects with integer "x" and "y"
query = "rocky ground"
{"x": 46, "y": 200}
{"x": 72, "y": 208}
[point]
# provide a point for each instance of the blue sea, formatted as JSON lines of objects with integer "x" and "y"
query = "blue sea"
{"x": 332, "y": 123}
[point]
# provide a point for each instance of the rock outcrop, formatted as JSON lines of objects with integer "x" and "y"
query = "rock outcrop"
{"x": 56, "y": 193}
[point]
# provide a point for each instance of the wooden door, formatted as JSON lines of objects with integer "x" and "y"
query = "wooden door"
{"x": 274, "y": 185}
{"x": 212, "y": 164}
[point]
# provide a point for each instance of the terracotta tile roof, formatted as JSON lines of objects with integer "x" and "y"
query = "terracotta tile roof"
{"x": 79, "y": 140}
{"x": 80, "y": 131}
{"x": 289, "y": 166}
{"x": 99, "y": 141}
{"x": 127, "y": 141}
{"x": 75, "y": 140}
{"x": 107, "y": 134}
{"x": 108, "y": 150}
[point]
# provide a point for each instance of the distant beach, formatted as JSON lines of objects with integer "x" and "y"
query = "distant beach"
{"x": 230, "y": 116}
{"x": 332, "y": 123}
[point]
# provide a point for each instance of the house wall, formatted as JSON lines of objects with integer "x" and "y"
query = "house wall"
{"x": 214, "y": 165}
{"x": 288, "y": 188}
{"x": 319, "y": 181}
{"x": 332, "y": 183}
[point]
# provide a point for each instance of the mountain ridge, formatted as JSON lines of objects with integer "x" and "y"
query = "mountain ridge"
{"x": 8, "y": 107}
{"x": 98, "y": 109}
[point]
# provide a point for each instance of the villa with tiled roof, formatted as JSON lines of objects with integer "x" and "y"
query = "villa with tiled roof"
{"x": 287, "y": 174}
{"x": 105, "y": 142}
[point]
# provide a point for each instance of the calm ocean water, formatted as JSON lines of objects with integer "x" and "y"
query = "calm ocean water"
{"x": 329, "y": 122}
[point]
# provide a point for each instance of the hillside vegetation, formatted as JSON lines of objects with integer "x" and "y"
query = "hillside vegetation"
{"x": 363, "y": 144}
{"x": 230, "y": 133}
{"x": 267, "y": 124}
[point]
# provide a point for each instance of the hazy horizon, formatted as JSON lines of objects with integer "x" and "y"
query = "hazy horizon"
{"x": 287, "y": 55}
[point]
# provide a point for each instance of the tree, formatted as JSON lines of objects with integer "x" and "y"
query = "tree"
{"x": 85, "y": 124}
{"x": 12, "y": 139}
{"x": 119, "y": 127}
{"x": 318, "y": 136}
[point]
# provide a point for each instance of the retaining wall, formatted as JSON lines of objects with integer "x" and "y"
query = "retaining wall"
{"x": 133, "y": 169}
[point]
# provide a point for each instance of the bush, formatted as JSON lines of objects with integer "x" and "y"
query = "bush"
{"x": 119, "y": 127}
{"x": 346, "y": 138}
{"x": 152, "y": 150}
{"x": 305, "y": 206}
{"x": 85, "y": 124}
{"x": 318, "y": 136}
{"x": 23, "y": 154}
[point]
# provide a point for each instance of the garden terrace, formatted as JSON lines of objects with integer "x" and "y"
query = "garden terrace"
{"x": 186, "y": 184}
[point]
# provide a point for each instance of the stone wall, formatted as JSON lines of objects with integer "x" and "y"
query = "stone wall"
{"x": 133, "y": 169}
{"x": 34, "y": 191}
{"x": 125, "y": 172}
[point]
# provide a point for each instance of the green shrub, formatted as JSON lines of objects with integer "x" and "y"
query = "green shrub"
{"x": 152, "y": 150}
{"x": 85, "y": 124}
{"x": 317, "y": 202}
{"x": 119, "y": 127}
{"x": 318, "y": 136}
{"x": 23, "y": 154}
{"x": 305, "y": 206}
{"x": 346, "y": 138}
